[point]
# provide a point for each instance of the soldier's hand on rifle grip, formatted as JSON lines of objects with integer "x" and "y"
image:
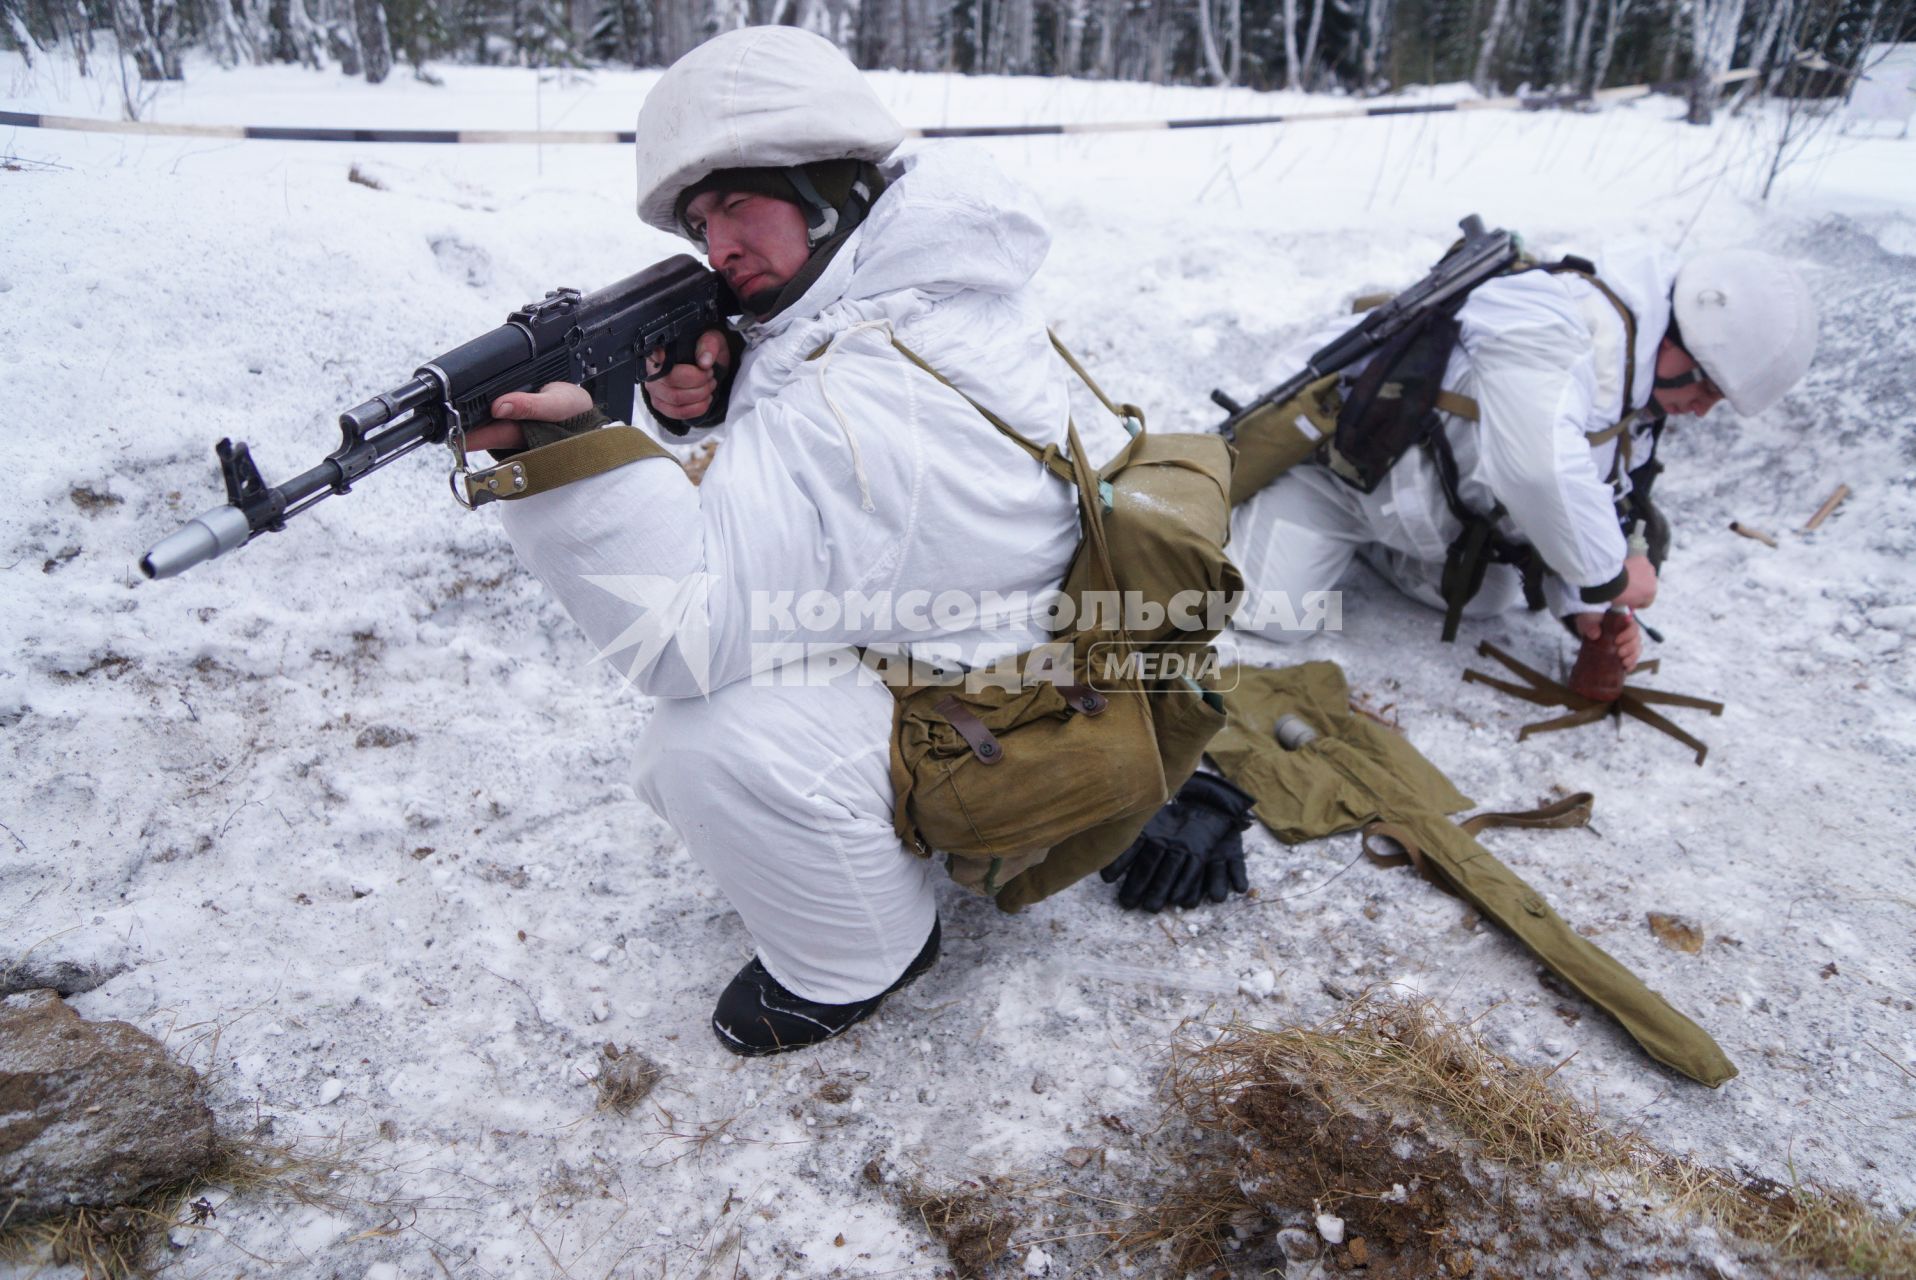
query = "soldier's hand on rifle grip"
{"x": 687, "y": 390}
{"x": 1640, "y": 590}
{"x": 554, "y": 402}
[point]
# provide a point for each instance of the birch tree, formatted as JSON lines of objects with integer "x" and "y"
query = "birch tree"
{"x": 1072, "y": 17}
{"x": 1580, "y": 57}
{"x": 1480, "y": 75}
{"x": 1107, "y": 39}
{"x": 1713, "y": 28}
{"x": 375, "y": 42}
{"x": 1234, "y": 39}
{"x": 1292, "y": 80}
{"x": 1376, "y": 41}
{"x": 1207, "y": 42}
{"x": 1566, "y": 50}
{"x": 1309, "y": 80}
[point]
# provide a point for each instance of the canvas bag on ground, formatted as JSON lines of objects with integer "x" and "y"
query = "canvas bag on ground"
{"x": 1360, "y": 774}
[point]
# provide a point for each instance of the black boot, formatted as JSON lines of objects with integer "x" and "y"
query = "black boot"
{"x": 756, "y": 1015}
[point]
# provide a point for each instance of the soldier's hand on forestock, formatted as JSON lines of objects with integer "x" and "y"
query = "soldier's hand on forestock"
{"x": 1640, "y": 590}
{"x": 554, "y": 402}
{"x": 687, "y": 390}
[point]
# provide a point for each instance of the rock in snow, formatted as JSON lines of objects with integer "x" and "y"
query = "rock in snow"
{"x": 91, "y": 1113}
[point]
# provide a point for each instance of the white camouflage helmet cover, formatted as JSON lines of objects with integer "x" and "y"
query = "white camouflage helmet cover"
{"x": 1748, "y": 319}
{"x": 758, "y": 97}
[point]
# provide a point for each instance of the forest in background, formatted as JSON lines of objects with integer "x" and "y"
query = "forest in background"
{"x": 1802, "y": 47}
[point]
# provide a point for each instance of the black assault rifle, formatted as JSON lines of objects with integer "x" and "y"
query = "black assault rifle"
{"x": 1478, "y": 257}
{"x": 599, "y": 340}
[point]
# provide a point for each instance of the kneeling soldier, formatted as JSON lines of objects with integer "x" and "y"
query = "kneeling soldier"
{"x": 1534, "y": 483}
{"x": 847, "y": 472}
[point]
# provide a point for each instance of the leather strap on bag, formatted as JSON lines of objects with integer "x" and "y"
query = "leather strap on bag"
{"x": 971, "y": 729}
{"x": 556, "y": 465}
{"x": 1571, "y": 811}
{"x": 1083, "y": 699}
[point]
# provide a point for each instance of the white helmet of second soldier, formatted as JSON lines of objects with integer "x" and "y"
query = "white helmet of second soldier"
{"x": 1749, "y": 322}
{"x": 758, "y": 97}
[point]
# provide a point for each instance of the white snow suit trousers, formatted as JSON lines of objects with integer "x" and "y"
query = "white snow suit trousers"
{"x": 1299, "y": 536}
{"x": 783, "y": 794}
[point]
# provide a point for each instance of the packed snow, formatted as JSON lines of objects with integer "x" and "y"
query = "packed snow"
{"x": 347, "y": 818}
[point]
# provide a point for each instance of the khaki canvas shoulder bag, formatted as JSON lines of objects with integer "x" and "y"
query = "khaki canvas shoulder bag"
{"x": 1028, "y": 785}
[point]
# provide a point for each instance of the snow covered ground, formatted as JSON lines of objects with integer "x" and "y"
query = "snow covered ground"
{"x": 347, "y": 816}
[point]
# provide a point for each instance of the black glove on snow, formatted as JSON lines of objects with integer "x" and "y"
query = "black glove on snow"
{"x": 1192, "y": 849}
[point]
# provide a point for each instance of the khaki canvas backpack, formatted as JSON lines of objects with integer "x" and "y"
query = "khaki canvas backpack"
{"x": 1029, "y": 785}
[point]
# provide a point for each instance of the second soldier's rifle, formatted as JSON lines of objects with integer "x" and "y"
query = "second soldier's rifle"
{"x": 1478, "y": 257}
{"x": 599, "y": 340}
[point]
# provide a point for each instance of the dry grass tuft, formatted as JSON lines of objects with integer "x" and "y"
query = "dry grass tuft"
{"x": 1392, "y": 1118}
{"x": 972, "y": 1220}
{"x": 626, "y": 1078}
{"x": 124, "y": 1240}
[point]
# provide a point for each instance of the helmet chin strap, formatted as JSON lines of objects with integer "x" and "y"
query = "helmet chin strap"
{"x": 821, "y": 220}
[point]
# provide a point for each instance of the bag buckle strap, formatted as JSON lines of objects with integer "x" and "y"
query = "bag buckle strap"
{"x": 1084, "y": 700}
{"x": 985, "y": 747}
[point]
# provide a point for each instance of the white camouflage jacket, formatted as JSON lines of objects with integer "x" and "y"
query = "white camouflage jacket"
{"x": 854, "y": 499}
{"x": 1543, "y": 356}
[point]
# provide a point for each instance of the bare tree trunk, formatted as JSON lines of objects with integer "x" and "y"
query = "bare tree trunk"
{"x": 1774, "y": 20}
{"x": 301, "y": 39}
{"x": 375, "y": 45}
{"x": 1567, "y": 25}
{"x": 136, "y": 40}
{"x": 1615, "y": 11}
{"x": 1376, "y": 38}
{"x": 1309, "y": 80}
{"x": 1021, "y": 37}
{"x": 1580, "y": 57}
{"x": 1712, "y": 43}
{"x": 1480, "y": 76}
{"x": 1071, "y": 36}
{"x": 79, "y": 31}
{"x": 1107, "y": 38}
{"x": 23, "y": 39}
{"x": 1160, "y": 58}
{"x": 1234, "y": 38}
{"x": 1293, "y": 78}
{"x": 1518, "y": 27}
{"x": 1207, "y": 42}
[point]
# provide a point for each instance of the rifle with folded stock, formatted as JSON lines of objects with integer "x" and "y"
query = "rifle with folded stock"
{"x": 599, "y": 340}
{"x": 1479, "y": 256}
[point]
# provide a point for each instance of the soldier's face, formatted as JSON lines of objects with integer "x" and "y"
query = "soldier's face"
{"x": 757, "y": 242}
{"x": 1698, "y": 397}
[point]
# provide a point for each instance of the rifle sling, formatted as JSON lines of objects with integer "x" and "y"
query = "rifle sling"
{"x": 1571, "y": 811}
{"x": 556, "y": 465}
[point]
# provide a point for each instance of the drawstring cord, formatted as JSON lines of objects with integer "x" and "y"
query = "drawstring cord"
{"x": 851, "y": 440}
